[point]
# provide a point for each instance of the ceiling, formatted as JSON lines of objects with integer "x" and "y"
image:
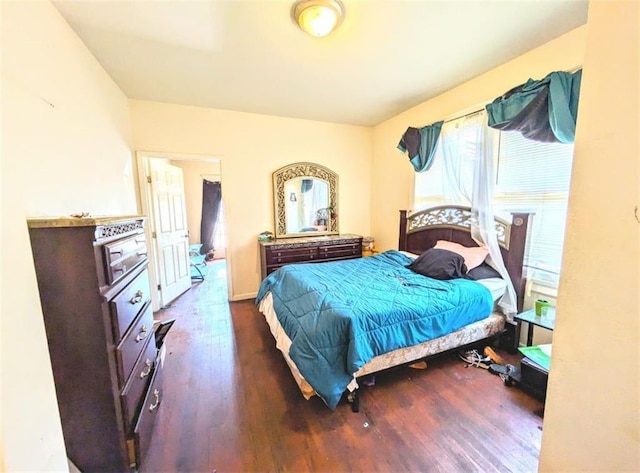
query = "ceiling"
{"x": 249, "y": 56}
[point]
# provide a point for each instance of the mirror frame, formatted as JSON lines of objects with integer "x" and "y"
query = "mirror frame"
{"x": 295, "y": 170}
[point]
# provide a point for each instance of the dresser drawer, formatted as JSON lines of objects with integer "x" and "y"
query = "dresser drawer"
{"x": 126, "y": 305}
{"x": 291, "y": 255}
{"x": 132, "y": 393}
{"x": 310, "y": 249}
{"x": 339, "y": 251}
{"x": 143, "y": 431}
{"x": 133, "y": 342}
{"x": 123, "y": 255}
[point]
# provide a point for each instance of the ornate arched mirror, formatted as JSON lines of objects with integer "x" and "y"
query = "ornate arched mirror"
{"x": 305, "y": 200}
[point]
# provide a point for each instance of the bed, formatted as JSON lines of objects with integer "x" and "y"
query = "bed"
{"x": 339, "y": 322}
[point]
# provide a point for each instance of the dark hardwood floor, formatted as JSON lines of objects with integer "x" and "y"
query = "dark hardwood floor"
{"x": 231, "y": 405}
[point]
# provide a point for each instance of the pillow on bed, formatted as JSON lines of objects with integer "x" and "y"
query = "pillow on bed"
{"x": 439, "y": 264}
{"x": 484, "y": 271}
{"x": 473, "y": 256}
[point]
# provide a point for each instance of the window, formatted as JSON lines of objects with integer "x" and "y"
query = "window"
{"x": 530, "y": 176}
{"x": 535, "y": 177}
{"x": 431, "y": 187}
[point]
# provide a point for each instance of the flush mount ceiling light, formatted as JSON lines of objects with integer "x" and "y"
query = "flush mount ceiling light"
{"x": 318, "y": 17}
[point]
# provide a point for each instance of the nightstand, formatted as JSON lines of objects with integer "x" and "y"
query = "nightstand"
{"x": 533, "y": 377}
{"x": 369, "y": 252}
{"x": 533, "y": 320}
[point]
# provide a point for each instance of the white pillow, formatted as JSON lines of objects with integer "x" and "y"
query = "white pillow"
{"x": 409, "y": 255}
{"x": 497, "y": 286}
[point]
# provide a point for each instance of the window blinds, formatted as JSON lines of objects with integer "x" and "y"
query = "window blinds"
{"x": 535, "y": 177}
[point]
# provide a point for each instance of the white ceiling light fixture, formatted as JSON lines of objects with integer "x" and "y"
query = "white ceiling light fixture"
{"x": 318, "y": 17}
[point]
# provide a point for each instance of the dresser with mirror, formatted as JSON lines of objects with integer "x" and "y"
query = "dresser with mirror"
{"x": 306, "y": 219}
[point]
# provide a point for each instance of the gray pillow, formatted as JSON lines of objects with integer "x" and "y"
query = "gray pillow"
{"x": 484, "y": 271}
{"x": 439, "y": 264}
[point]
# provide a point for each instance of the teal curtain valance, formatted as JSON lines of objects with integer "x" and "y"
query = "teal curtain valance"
{"x": 543, "y": 110}
{"x": 420, "y": 145}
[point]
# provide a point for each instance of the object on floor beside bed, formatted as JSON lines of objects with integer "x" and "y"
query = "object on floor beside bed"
{"x": 327, "y": 309}
{"x": 197, "y": 262}
{"x": 533, "y": 378}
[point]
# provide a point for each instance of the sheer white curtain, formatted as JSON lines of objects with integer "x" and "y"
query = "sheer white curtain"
{"x": 467, "y": 147}
{"x": 319, "y": 196}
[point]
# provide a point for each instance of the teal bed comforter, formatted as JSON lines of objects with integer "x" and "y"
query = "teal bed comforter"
{"x": 341, "y": 314}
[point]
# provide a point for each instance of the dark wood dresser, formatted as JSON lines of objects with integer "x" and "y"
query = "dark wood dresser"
{"x": 94, "y": 288}
{"x": 277, "y": 253}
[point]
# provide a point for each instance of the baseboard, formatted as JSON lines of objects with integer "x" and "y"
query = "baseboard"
{"x": 243, "y": 297}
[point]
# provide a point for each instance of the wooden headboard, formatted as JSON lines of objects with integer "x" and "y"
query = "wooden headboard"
{"x": 421, "y": 230}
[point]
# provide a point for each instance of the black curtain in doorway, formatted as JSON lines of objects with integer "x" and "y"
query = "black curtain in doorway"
{"x": 211, "y": 198}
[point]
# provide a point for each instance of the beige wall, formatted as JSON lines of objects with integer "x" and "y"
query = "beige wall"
{"x": 251, "y": 147}
{"x": 65, "y": 148}
{"x": 77, "y": 120}
{"x": 391, "y": 168}
{"x": 591, "y": 418}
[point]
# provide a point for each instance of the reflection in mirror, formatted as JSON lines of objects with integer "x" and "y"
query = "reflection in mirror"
{"x": 305, "y": 199}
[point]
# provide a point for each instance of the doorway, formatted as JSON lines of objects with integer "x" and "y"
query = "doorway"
{"x": 195, "y": 169}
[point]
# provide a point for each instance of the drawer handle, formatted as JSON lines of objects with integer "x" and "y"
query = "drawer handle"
{"x": 279, "y": 254}
{"x": 279, "y": 260}
{"x": 141, "y": 253}
{"x": 145, "y": 372}
{"x": 137, "y": 298}
{"x": 153, "y": 406}
{"x": 143, "y": 334}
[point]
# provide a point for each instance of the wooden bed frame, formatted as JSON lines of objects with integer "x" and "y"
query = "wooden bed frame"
{"x": 419, "y": 232}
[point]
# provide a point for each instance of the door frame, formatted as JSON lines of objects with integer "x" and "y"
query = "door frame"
{"x": 145, "y": 207}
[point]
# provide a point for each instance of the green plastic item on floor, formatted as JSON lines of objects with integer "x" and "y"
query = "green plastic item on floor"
{"x": 540, "y": 354}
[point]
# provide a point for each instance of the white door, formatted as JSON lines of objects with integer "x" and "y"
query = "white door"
{"x": 170, "y": 232}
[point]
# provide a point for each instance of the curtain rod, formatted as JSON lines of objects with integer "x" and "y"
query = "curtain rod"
{"x": 475, "y": 112}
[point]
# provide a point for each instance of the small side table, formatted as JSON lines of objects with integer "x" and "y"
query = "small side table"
{"x": 533, "y": 320}
{"x": 533, "y": 377}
